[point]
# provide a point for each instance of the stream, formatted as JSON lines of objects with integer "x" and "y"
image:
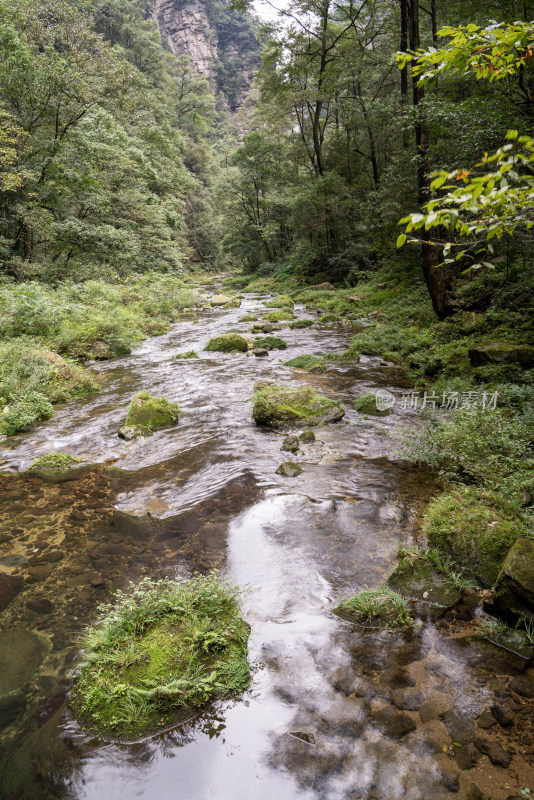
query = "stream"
{"x": 324, "y": 718}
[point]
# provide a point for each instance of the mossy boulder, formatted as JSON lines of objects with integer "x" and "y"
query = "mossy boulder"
{"x": 475, "y": 528}
{"x": 186, "y": 354}
{"x": 131, "y": 432}
{"x": 289, "y": 469}
{"x": 54, "y": 461}
{"x": 376, "y": 608}
{"x": 416, "y": 579}
{"x": 291, "y": 444}
{"x": 326, "y": 318}
{"x": 281, "y": 301}
{"x": 264, "y": 327}
{"x": 502, "y": 353}
{"x": 220, "y": 300}
{"x": 228, "y": 343}
{"x": 235, "y": 302}
{"x": 513, "y": 596}
{"x": 306, "y": 437}
{"x": 272, "y": 342}
{"x": 366, "y": 404}
{"x": 160, "y": 651}
{"x": 249, "y": 318}
{"x": 151, "y": 413}
{"x": 279, "y": 405}
{"x": 307, "y": 362}
{"x": 278, "y": 316}
{"x": 301, "y": 323}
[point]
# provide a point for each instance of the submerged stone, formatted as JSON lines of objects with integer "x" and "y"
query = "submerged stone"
{"x": 260, "y": 351}
{"x": 278, "y": 405}
{"x": 21, "y": 654}
{"x": 151, "y": 413}
{"x": 10, "y": 586}
{"x": 289, "y": 469}
{"x": 227, "y": 343}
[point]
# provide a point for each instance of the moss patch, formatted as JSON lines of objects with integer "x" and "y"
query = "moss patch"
{"x": 248, "y": 318}
{"x": 329, "y": 318}
{"x": 53, "y": 461}
{"x": 416, "y": 579}
{"x": 272, "y": 342}
{"x": 301, "y": 323}
{"x": 282, "y": 301}
{"x": 278, "y": 405}
{"x": 158, "y": 651}
{"x": 151, "y": 413}
{"x": 380, "y": 607}
{"x": 278, "y": 316}
{"x": 475, "y": 528}
{"x": 227, "y": 343}
{"x": 366, "y": 404}
{"x": 187, "y": 354}
{"x": 308, "y": 362}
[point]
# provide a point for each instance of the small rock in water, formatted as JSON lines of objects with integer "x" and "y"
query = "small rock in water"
{"x": 407, "y": 699}
{"x": 10, "y": 586}
{"x": 429, "y": 710}
{"x": 396, "y": 678}
{"x": 486, "y": 720}
{"x": 13, "y": 560}
{"x": 449, "y": 778}
{"x": 303, "y": 736}
{"x": 129, "y": 432}
{"x": 260, "y": 351}
{"x": 392, "y": 722}
{"x": 459, "y": 726}
{"x": 291, "y": 444}
{"x": 307, "y": 436}
{"x": 289, "y": 469}
{"x": 41, "y": 605}
{"x": 502, "y": 714}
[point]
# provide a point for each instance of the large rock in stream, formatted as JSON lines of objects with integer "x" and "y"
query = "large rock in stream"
{"x": 513, "y": 596}
{"x": 278, "y": 405}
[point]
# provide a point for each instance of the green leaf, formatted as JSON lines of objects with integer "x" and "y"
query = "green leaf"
{"x": 401, "y": 240}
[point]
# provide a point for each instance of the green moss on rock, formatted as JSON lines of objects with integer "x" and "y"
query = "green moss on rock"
{"x": 187, "y": 354}
{"x": 416, "y": 579}
{"x": 249, "y": 318}
{"x": 376, "y": 608}
{"x": 278, "y": 316}
{"x": 273, "y": 342}
{"x": 301, "y": 323}
{"x": 278, "y": 405}
{"x": 227, "y": 343}
{"x": 282, "y": 301}
{"x": 53, "y": 461}
{"x": 329, "y": 318}
{"x": 159, "y": 651}
{"x": 366, "y": 404}
{"x": 475, "y": 528}
{"x": 308, "y": 362}
{"x": 151, "y": 413}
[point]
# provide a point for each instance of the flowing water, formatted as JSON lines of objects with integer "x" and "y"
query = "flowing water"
{"x": 318, "y": 721}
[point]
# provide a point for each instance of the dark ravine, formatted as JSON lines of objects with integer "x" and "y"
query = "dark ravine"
{"x": 334, "y": 711}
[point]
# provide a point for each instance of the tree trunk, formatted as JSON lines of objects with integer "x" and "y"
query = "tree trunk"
{"x": 431, "y": 271}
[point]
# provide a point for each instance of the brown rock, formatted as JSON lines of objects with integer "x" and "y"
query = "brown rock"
{"x": 486, "y": 720}
{"x": 459, "y": 726}
{"x": 429, "y": 710}
{"x": 407, "y": 699}
{"x": 397, "y": 678}
{"x": 10, "y": 586}
{"x": 467, "y": 756}
{"x": 495, "y": 752}
{"x": 523, "y": 686}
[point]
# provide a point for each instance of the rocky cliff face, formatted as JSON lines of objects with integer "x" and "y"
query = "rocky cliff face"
{"x": 221, "y": 43}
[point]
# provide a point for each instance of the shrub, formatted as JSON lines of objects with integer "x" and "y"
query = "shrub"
{"x": 161, "y": 648}
{"x": 282, "y": 301}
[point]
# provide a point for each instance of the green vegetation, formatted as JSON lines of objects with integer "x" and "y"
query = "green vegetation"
{"x": 277, "y": 405}
{"x": 187, "y": 354}
{"x": 278, "y": 316}
{"x": 475, "y": 528}
{"x": 158, "y": 651}
{"x": 329, "y": 318}
{"x": 151, "y": 413}
{"x": 271, "y": 342}
{"x": 228, "y": 343}
{"x": 249, "y": 318}
{"x": 308, "y": 362}
{"x": 281, "y": 301}
{"x": 380, "y": 607}
{"x": 53, "y": 461}
{"x": 301, "y": 323}
{"x": 366, "y": 404}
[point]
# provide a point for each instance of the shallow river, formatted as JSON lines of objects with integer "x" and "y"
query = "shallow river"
{"x": 318, "y": 721}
